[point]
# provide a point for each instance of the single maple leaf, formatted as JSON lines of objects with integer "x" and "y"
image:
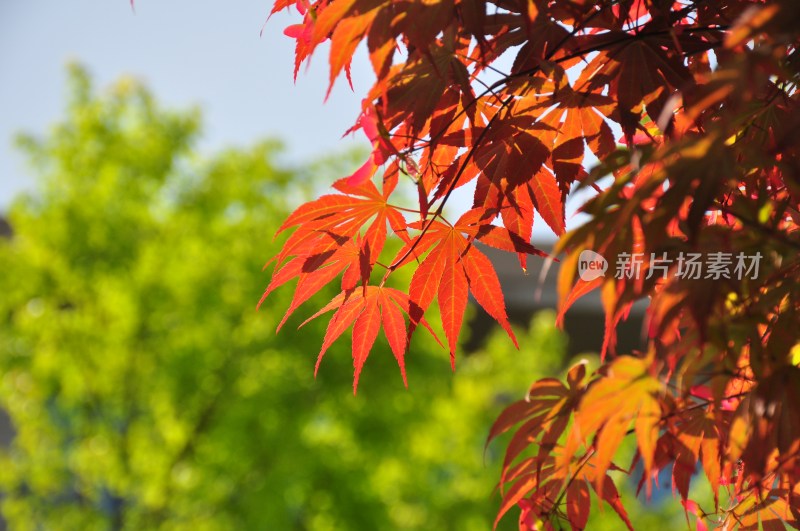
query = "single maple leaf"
{"x": 367, "y": 311}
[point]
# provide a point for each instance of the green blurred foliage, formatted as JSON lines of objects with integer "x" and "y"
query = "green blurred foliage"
{"x": 149, "y": 394}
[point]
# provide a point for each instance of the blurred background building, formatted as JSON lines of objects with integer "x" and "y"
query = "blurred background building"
{"x": 531, "y": 292}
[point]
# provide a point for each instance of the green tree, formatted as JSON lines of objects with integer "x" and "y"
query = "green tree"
{"x": 148, "y": 393}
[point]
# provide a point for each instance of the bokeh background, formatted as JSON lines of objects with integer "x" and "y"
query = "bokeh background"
{"x": 161, "y": 150}
{"x": 213, "y": 54}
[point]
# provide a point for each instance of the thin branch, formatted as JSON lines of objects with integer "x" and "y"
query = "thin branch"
{"x": 760, "y": 227}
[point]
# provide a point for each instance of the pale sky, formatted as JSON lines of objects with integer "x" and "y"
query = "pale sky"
{"x": 188, "y": 52}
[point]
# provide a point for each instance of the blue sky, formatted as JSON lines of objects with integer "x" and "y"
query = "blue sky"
{"x": 188, "y": 52}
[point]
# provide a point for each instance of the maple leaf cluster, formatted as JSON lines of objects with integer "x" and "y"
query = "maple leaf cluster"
{"x": 691, "y": 110}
